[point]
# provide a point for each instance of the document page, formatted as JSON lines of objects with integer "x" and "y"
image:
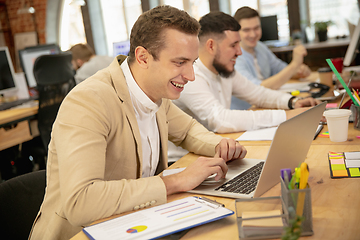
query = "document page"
{"x": 159, "y": 221}
{"x": 264, "y": 134}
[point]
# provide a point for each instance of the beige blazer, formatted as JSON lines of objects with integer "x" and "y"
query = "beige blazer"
{"x": 95, "y": 156}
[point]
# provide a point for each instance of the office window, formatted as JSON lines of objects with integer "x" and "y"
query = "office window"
{"x": 340, "y": 12}
{"x": 267, "y": 8}
{"x": 236, "y": 4}
{"x": 279, "y": 8}
{"x": 119, "y": 17}
{"x": 71, "y": 26}
{"x": 195, "y": 8}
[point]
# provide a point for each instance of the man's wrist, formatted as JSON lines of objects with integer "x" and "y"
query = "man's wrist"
{"x": 292, "y": 101}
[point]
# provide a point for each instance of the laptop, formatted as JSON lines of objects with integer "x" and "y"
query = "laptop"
{"x": 288, "y": 149}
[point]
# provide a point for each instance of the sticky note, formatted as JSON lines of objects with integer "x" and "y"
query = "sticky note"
{"x": 352, "y": 155}
{"x": 331, "y": 105}
{"x": 337, "y": 161}
{"x": 336, "y": 153}
{"x": 335, "y": 157}
{"x": 338, "y": 167}
{"x": 324, "y": 135}
{"x": 354, "y": 172}
{"x": 352, "y": 163}
{"x": 340, "y": 173}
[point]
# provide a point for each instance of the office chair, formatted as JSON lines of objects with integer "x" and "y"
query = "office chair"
{"x": 54, "y": 75}
{"x": 20, "y": 201}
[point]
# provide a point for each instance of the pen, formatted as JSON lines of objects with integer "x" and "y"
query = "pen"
{"x": 286, "y": 175}
{"x": 304, "y": 175}
{"x": 320, "y": 127}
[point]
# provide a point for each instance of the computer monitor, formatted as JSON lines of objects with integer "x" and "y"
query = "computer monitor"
{"x": 7, "y": 74}
{"x": 353, "y": 47}
{"x": 28, "y": 57}
{"x": 122, "y": 48}
{"x": 269, "y": 28}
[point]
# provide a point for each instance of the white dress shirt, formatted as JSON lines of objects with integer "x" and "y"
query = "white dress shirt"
{"x": 208, "y": 99}
{"x": 145, "y": 112}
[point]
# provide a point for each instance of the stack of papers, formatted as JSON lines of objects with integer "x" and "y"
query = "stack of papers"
{"x": 262, "y": 226}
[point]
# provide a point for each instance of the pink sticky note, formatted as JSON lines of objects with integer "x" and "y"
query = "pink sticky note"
{"x": 331, "y": 105}
{"x": 337, "y": 161}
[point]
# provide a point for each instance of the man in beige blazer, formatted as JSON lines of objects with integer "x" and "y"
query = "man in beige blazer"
{"x": 109, "y": 141}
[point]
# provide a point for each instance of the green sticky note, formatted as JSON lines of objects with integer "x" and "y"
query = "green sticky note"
{"x": 338, "y": 167}
{"x": 354, "y": 172}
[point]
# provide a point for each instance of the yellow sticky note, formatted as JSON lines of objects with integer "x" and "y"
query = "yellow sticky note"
{"x": 335, "y": 167}
{"x": 354, "y": 172}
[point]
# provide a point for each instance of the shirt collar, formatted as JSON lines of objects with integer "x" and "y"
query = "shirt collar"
{"x": 145, "y": 103}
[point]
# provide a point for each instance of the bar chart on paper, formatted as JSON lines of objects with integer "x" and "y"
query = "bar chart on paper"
{"x": 159, "y": 221}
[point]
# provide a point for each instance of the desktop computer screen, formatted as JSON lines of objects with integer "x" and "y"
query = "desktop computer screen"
{"x": 122, "y": 48}
{"x": 353, "y": 47}
{"x": 269, "y": 28}
{"x": 7, "y": 74}
{"x": 28, "y": 57}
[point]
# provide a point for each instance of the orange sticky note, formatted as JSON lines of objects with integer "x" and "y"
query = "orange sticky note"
{"x": 340, "y": 173}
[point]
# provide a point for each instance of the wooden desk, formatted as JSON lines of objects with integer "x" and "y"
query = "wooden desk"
{"x": 352, "y": 138}
{"x": 335, "y": 202}
{"x": 17, "y": 126}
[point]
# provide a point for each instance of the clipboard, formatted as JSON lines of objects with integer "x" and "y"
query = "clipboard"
{"x": 161, "y": 220}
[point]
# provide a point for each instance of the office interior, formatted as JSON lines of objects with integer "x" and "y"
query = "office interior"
{"x": 105, "y": 23}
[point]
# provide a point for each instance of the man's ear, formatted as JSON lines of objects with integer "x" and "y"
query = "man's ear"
{"x": 142, "y": 56}
{"x": 211, "y": 46}
{"x": 79, "y": 62}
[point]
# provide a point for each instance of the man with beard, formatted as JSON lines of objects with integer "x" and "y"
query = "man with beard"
{"x": 208, "y": 98}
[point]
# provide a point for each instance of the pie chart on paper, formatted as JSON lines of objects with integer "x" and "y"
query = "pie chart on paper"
{"x": 137, "y": 229}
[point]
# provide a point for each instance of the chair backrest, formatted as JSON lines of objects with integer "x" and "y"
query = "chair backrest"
{"x": 54, "y": 76}
{"x": 20, "y": 201}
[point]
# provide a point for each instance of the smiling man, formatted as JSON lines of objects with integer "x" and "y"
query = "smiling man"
{"x": 109, "y": 141}
{"x": 258, "y": 63}
{"x": 208, "y": 98}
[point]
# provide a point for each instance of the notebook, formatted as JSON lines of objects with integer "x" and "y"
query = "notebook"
{"x": 289, "y": 147}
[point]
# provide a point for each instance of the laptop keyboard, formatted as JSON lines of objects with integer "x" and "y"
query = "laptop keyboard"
{"x": 245, "y": 182}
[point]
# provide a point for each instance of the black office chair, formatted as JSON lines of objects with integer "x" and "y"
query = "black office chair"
{"x": 54, "y": 76}
{"x": 20, "y": 201}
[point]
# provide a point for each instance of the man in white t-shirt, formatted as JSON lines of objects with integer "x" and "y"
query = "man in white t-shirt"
{"x": 86, "y": 62}
{"x": 208, "y": 98}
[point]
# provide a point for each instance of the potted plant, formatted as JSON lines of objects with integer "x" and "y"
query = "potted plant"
{"x": 321, "y": 29}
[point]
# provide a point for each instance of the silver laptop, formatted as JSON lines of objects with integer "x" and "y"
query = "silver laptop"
{"x": 289, "y": 147}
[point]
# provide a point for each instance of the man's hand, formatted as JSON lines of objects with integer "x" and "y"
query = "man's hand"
{"x": 203, "y": 167}
{"x": 298, "y": 54}
{"x": 229, "y": 149}
{"x": 307, "y": 102}
{"x": 195, "y": 174}
{"x": 303, "y": 71}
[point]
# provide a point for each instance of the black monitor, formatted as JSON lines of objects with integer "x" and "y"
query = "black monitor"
{"x": 269, "y": 28}
{"x": 7, "y": 74}
{"x": 353, "y": 47}
{"x": 28, "y": 57}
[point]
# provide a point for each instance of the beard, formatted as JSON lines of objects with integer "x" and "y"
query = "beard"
{"x": 221, "y": 68}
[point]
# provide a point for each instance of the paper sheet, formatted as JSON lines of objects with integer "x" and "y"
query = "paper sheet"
{"x": 158, "y": 221}
{"x": 264, "y": 134}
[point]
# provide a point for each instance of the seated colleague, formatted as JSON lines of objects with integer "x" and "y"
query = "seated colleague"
{"x": 208, "y": 97}
{"x": 258, "y": 63}
{"x": 86, "y": 62}
{"x": 109, "y": 141}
